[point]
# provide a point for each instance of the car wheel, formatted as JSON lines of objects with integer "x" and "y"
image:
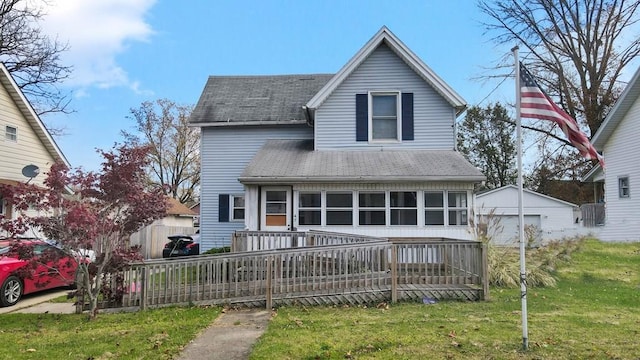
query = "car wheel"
{"x": 11, "y": 291}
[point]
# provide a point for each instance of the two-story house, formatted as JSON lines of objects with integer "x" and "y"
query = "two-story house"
{"x": 369, "y": 150}
{"x": 27, "y": 146}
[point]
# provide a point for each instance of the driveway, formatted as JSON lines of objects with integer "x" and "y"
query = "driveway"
{"x": 34, "y": 299}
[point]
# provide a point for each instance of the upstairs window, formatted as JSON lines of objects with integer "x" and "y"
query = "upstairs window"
{"x": 384, "y": 123}
{"x": 237, "y": 203}
{"x": 623, "y": 187}
{"x": 11, "y": 133}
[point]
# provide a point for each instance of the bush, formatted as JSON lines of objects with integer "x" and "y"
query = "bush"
{"x": 224, "y": 249}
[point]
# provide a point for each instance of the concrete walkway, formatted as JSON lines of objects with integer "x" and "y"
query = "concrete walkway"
{"x": 230, "y": 337}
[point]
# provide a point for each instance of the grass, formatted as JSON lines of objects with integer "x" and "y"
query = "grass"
{"x": 153, "y": 334}
{"x": 592, "y": 313}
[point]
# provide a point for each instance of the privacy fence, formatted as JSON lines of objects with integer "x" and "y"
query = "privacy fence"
{"x": 310, "y": 269}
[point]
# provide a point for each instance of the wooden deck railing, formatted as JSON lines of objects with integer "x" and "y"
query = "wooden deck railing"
{"x": 362, "y": 272}
{"x": 269, "y": 240}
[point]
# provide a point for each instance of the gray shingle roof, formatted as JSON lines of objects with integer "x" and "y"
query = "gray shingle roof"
{"x": 234, "y": 100}
{"x": 295, "y": 161}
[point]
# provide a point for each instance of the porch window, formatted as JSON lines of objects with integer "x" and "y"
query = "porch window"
{"x": 310, "y": 208}
{"x": 339, "y": 208}
{"x": 404, "y": 207}
{"x": 457, "y": 205}
{"x": 372, "y": 208}
{"x": 384, "y": 123}
{"x": 434, "y": 208}
{"x": 11, "y": 133}
{"x": 237, "y": 211}
{"x": 623, "y": 187}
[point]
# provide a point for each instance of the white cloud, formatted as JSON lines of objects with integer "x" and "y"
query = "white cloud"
{"x": 97, "y": 31}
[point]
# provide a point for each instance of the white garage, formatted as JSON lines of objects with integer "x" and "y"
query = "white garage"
{"x": 546, "y": 218}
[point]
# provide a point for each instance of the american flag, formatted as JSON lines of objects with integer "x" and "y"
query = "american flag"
{"x": 534, "y": 103}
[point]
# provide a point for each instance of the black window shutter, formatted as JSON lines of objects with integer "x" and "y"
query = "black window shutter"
{"x": 362, "y": 117}
{"x": 407, "y": 116}
{"x": 223, "y": 207}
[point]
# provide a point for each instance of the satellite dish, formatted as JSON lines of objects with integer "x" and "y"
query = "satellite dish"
{"x": 30, "y": 171}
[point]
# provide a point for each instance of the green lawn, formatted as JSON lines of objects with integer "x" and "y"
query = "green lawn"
{"x": 592, "y": 313}
{"x": 153, "y": 334}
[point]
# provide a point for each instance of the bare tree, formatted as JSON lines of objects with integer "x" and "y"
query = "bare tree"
{"x": 32, "y": 57}
{"x": 175, "y": 147}
{"x": 578, "y": 48}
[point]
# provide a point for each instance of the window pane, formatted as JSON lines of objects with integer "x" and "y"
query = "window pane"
{"x": 339, "y": 217}
{"x": 370, "y": 217}
{"x": 434, "y": 217}
{"x": 384, "y": 129}
{"x": 404, "y": 217}
{"x": 276, "y": 208}
{"x": 309, "y": 217}
{"x": 341, "y": 200}
{"x": 371, "y": 199}
{"x": 277, "y": 196}
{"x": 11, "y": 133}
{"x": 238, "y": 201}
{"x": 457, "y": 199}
{"x": 433, "y": 199}
{"x": 384, "y": 105}
{"x": 238, "y": 214}
{"x": 403, "y": 199}
{"x": 310, "y": 200}
{"x": 458, "y": 217}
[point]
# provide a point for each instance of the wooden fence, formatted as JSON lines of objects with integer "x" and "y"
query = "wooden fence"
{"x": 592, "y": 214}
{"x": 355, "y": 273}
{"x": 270, "y": 240}
{"x": 152, "y": 238}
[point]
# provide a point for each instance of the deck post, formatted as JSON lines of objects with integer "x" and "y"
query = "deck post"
{"x": 143, "y": 288}
{"x": 485, "y": 271}
{"x": 394, "y": 273}
{"x": 269, "y": 277}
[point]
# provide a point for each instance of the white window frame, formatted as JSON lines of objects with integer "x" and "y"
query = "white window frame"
{"x": 328, "y": 208}
{"x": 233, "y": 207}
{"x": 624, "y": 188}
{"x": 302, "y": 208}
{"x": 398, "y": 95}
{"x": 416, "y": 208}
{"x": 11, "y": 136}
{"x": 440, "y": 209}
{"x": 383, "y": 208}
{"x": 449, "y": 209}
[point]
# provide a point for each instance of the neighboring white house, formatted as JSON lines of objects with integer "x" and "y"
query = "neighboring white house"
{"x": 618, "y": 140}
{"x": 368, "y": 150}
{"x": 549, "y": 218}
{"x": 24, "y": 140}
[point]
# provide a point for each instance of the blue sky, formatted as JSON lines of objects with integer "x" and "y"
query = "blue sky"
{"x": 125, "y": 52}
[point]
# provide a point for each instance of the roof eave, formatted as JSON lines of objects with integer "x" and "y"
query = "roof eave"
{"x": 263, "y": 180}
{"x": 247, "y": 123}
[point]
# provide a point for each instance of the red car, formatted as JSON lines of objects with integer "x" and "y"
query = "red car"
{"x": 52, "y": 268}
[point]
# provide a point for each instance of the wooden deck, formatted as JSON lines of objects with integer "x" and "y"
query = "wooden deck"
{"x": 344, "y": 269}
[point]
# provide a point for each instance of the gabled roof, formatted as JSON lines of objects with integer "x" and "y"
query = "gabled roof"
{"x": 617, "y": 113}
{"x": 295, "y": 161}
{"x": 513, "y": 187}
{"x": 256, "y": 100}
{"x": 177, "y": 208}
{"x": 30, "y": 115}
{"x": 384, "y": 35}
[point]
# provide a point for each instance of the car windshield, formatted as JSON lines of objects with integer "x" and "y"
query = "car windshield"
{"x": 4, "y": 248}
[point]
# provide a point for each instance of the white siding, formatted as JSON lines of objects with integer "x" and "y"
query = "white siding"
{"x": 28, "y": 149}
{"x": 225, "y": 153}
{"x": 557, "y": 219}
{"x": 335, "y": 122}
{"x": 620, "y": 152}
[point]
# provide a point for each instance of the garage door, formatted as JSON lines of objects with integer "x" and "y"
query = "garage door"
{"x": 509, "y": 223}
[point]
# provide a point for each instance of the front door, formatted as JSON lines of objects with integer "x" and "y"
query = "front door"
{"x": 276, "y": 209}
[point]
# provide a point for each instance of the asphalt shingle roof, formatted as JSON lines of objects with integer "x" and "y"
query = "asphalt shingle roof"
{"x": 296, "y": 161}
{"x": 233, "y": 100}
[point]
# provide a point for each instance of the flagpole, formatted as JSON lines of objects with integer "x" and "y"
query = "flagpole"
{"x": 523, "y": 271}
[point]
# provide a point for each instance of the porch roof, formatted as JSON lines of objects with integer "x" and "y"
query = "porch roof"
{"x": 295, "y": 161}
